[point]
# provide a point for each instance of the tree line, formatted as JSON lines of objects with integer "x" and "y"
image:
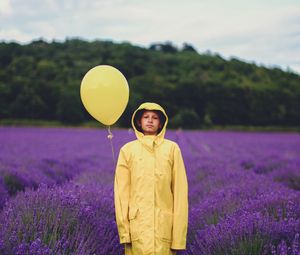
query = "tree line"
{"x": 41, "y": 80}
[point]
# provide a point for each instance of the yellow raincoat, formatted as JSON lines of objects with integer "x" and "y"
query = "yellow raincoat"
{"x": 151, "y": 193}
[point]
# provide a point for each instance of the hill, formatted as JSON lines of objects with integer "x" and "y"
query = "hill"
{"x": 41, "y": 80}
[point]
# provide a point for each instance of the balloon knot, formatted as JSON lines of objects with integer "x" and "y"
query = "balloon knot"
{"x": 110, "y": 136}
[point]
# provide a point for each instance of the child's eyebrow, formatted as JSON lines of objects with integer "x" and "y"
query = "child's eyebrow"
{"x": 149, "y": 113}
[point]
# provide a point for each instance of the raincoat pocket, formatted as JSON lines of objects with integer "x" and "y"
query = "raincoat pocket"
{"x": 166, "y": 224}
{"x": 133, "y": 223}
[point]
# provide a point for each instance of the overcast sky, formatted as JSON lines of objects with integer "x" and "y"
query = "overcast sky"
{"x": 266, "y": 32}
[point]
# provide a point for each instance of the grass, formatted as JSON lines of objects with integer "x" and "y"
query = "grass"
{"x": 95, "y": 124}
{"x": 47, "y": 123}
{"x": 257, "y": 128}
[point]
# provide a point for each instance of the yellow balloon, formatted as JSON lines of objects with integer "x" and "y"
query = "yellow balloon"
{"x": 104, "y": 93}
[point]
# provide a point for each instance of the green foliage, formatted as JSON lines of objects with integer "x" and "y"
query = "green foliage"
{"x": 42, "y": 80}
{"x": 69, "y": 107}
{"x": 13, "y": 183}
{"x": 185, "y": 118}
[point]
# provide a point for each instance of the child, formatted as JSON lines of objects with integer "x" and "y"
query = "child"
{"x": 151, "y": 188}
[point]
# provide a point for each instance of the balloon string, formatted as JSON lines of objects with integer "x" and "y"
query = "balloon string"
{"x": 110, "y": 137}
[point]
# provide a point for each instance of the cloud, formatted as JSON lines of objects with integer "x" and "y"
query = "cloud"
{"x": 261, "y": 31}
{"x": 15, "y": 35}
{"x": 5, "y": 8}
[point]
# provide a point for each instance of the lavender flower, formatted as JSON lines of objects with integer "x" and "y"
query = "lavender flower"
{"x": 56, "y": 190}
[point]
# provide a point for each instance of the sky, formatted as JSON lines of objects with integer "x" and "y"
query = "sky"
{"x": 265, "y": 32}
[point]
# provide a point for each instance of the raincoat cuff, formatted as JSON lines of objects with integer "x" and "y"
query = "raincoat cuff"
{"x": 125, "y": 239}
{"x": 178, "y": 246}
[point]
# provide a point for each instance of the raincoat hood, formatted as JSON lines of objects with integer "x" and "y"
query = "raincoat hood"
{"x": 150, "y": 106}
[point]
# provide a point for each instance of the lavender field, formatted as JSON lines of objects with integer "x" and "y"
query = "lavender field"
{"x": 56, "y": 191}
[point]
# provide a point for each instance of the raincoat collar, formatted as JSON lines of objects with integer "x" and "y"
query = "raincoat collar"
{"x": 150, "y": 140}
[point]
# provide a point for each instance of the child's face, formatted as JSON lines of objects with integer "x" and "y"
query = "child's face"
{"x": 150, "y": 123}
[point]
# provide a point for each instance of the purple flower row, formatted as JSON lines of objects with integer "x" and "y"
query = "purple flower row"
{"x": 243, "y": 194}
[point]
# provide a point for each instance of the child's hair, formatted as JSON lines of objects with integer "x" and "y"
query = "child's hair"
{"x": 138, "y": 117}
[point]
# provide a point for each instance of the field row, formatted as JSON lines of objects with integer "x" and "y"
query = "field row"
{"x": 56, "y": 191}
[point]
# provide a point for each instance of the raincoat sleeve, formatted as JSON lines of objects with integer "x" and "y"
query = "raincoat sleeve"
{"x": 121, "y": 197}
{"x": 180, "y": 196}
